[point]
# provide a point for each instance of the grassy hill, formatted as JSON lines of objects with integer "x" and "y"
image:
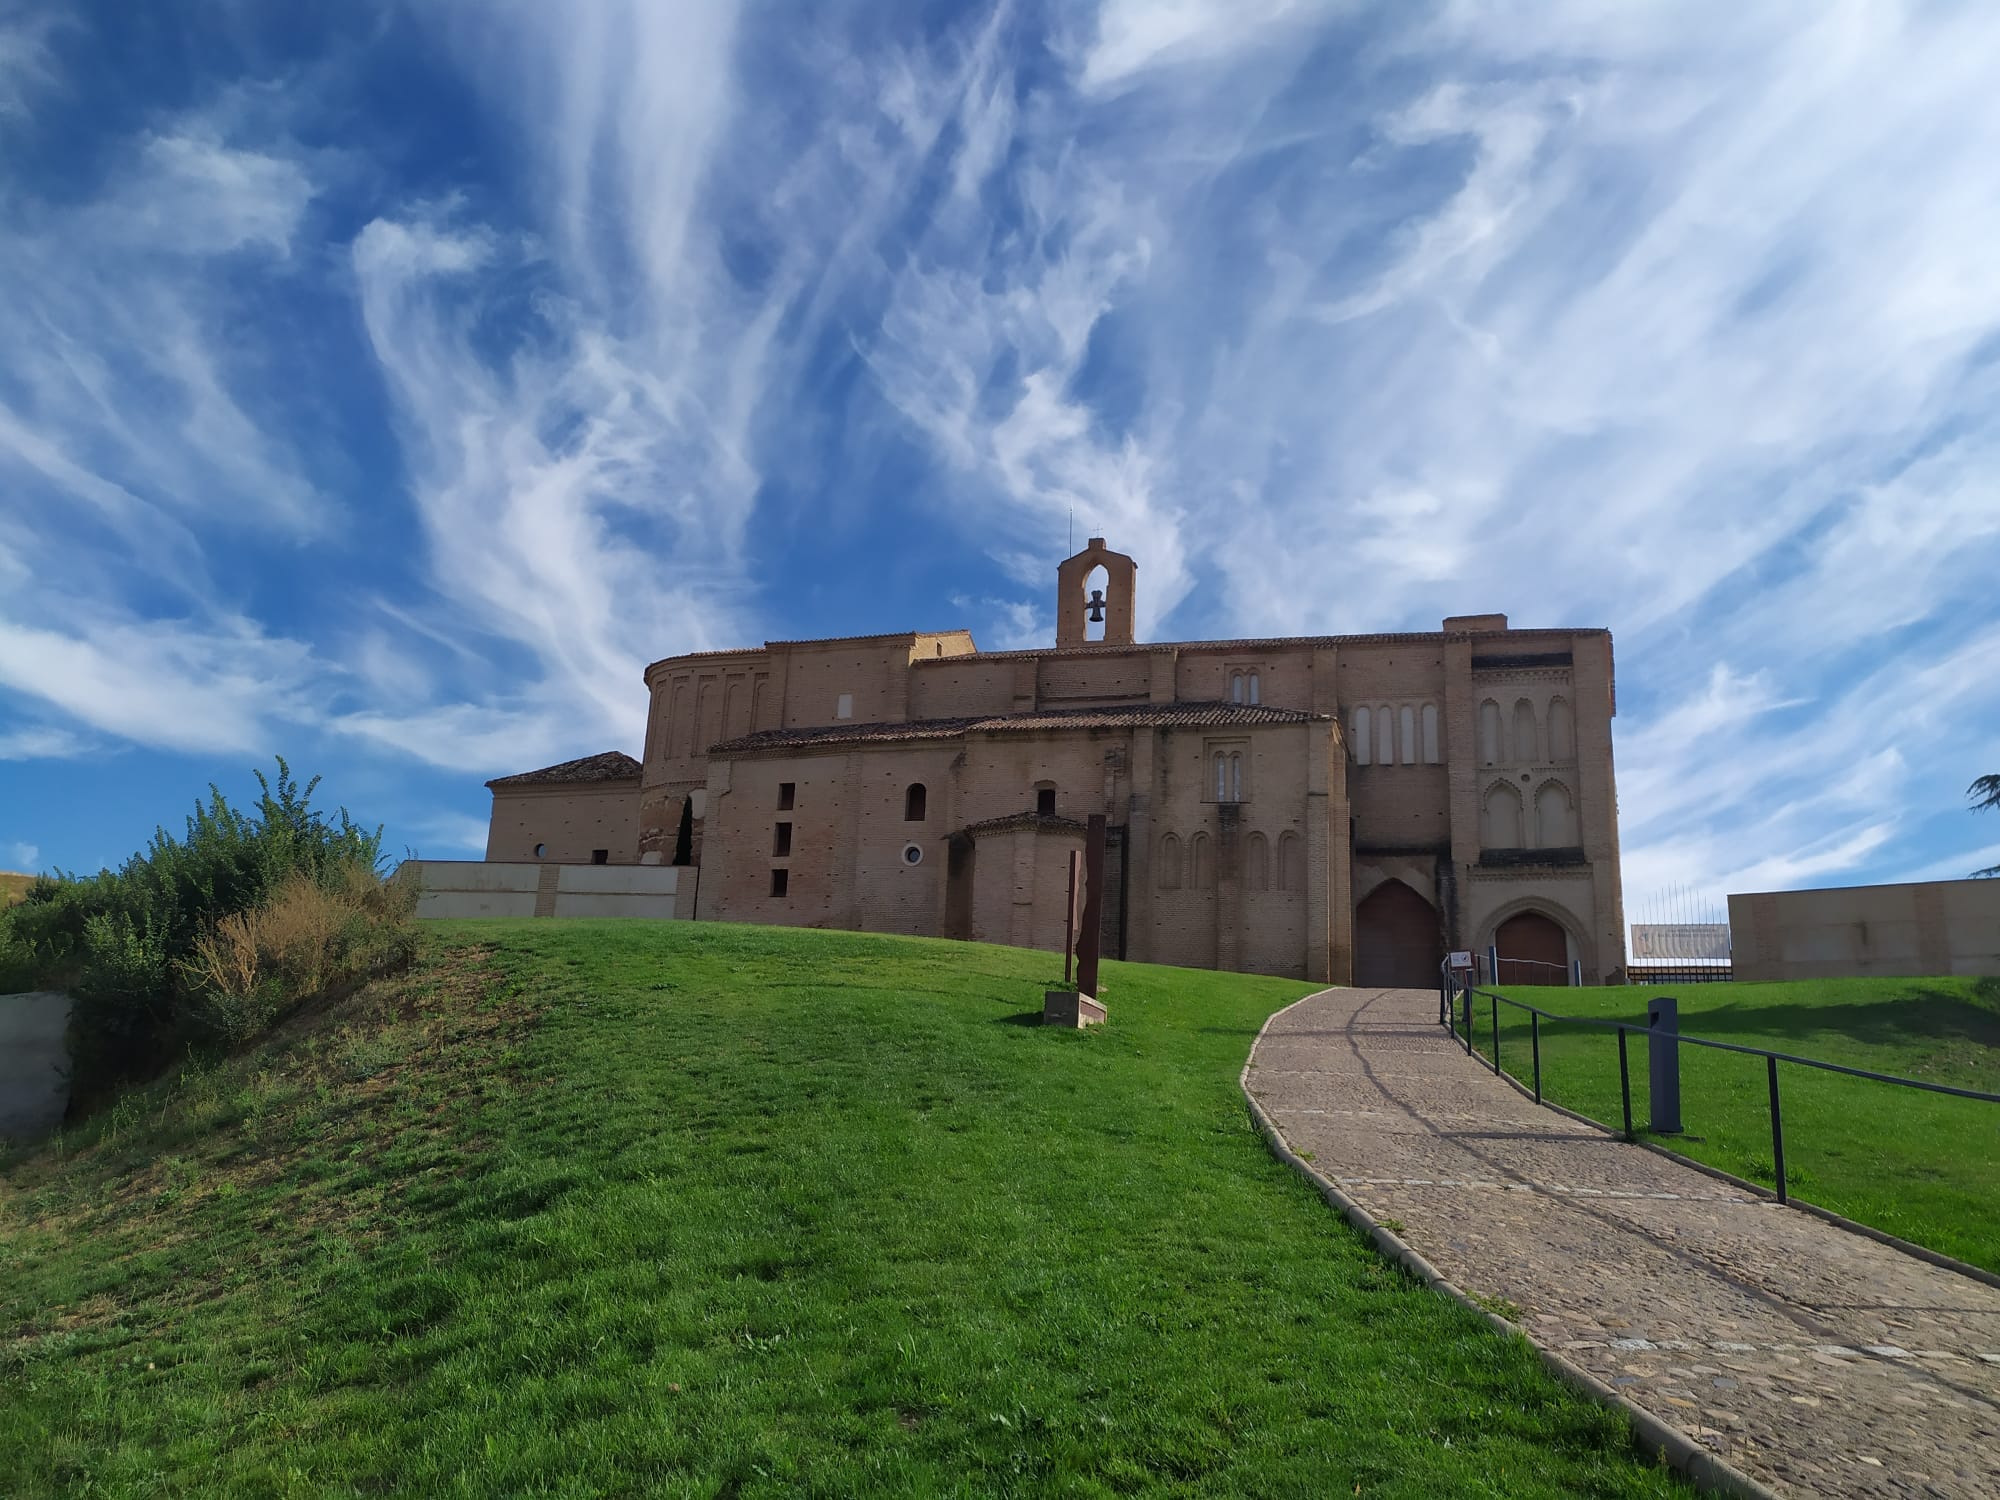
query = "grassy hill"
{"x": 588, "y": 1208}
{"x": 12, "y": 885}
{"x": 1922, "y": 1166}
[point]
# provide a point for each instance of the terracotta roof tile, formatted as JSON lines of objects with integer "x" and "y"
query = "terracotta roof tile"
{"x": 612, "y": 765}
{"x": 1117, "y": 716}
{"x": 1040, "y": 821}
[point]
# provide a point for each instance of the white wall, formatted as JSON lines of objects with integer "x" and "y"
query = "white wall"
{"x": 478, "y": 888}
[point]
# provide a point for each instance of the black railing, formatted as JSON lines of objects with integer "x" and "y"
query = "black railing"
{"x": 1449, "y": 994}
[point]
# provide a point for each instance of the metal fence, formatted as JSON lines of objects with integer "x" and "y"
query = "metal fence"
{"x": 1456, "y": 1005}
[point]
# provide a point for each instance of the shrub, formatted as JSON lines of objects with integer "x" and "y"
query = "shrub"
{"x": 136, "y": 947}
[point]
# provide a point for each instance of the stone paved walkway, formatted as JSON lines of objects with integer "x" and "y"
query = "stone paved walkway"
{"x": 1814, "y": 1359}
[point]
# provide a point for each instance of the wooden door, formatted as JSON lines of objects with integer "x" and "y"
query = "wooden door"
{"x": 1397, "y": 942}
{"x": 1533, "y": 950}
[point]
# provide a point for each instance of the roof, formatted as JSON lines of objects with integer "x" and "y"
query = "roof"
{"x": 1097, "y": 648}
{"x": 612, "y": 765}
{"x": 1039, "y": 821}
{"x": 1115, "y": 716}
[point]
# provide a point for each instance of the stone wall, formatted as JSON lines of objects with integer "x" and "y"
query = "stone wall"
{"x": 467, "y": 888}
{"x": 34, "y": 1063}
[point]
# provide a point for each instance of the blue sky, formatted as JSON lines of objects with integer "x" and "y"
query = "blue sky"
{"x": 384, "y": 384}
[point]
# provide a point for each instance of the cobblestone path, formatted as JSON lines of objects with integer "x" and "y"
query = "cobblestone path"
{"x": 1814, "y": 1359}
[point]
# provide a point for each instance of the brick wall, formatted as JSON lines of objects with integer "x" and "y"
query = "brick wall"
{"x": 569, "y": 822}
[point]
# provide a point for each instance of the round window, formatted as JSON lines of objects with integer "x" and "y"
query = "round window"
{"x": 912, "y": 855}
{"x": 540, "y": 850}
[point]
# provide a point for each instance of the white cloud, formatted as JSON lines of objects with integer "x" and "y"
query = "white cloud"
{"x": 40, "y": 742}
{"x": 23, "y": 858}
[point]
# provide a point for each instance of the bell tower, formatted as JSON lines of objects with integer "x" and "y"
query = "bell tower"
{"x": 1078, "y": 606}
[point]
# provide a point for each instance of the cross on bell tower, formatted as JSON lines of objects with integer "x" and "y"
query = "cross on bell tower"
{"x": 1111, "y": 606}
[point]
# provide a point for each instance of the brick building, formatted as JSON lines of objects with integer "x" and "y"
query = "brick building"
{"x": 1334, "y": 807}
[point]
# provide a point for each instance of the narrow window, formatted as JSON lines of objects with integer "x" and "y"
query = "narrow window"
{"x": 1409, "y": 726}
{"x": 1385, "y": 735}
{"x": 787, "y": 793}
{"x": 914, "y": 799}
{"x": 1257, "y": 863}
{"x": 1236, "y": 778}
{"x": 781, "y": 880}
{"x": 1430, "y": 734}
{"x": 781, "y": 841}
{"x": 1045, "y": 800}
{"x": 1170, "y": 862}
{"x": 1235, "y": 687}
{"x": 1221, "y": 777}
{"x": 1201, "y": 862}
{"x": 600, "y": 856}
{"x": 1362, "y": 738}
{"x": 1289, "y": 876}
{"x": 1562, "y": 731}
{"x": 1490, "y": 749}
{"x": 1524, "y": 733}
{"x": 1253, "y": 689}
{"x": 843, "y": 708}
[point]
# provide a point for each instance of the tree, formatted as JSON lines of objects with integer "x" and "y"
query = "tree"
{"x": 1985, "y": 792}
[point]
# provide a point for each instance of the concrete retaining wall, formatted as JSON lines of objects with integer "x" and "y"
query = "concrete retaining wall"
{"x": 34, "y": 1062}
{"x": 1918, "y": 930}
{"x": 478, "y": 888}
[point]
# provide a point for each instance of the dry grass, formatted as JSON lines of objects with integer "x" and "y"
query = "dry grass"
{"x": 307, "y": 937}
{"x": 13, "y": 887}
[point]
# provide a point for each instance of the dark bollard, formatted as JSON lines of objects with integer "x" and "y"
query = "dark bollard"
{"x": 1663, "y": 1064}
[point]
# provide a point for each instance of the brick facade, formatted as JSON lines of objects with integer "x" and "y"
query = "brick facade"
{"x": 1471, "y": 764}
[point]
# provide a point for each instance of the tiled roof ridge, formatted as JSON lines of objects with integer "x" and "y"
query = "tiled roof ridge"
{"x": 1110, "y": 716}
{"x": 606, "y": 765}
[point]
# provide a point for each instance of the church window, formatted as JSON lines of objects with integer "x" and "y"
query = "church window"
{"x": 1360, "y": 739}
{"x": 787, "y": 793}
{"x": 1500, "y": 818}
{"x": 1491, "y": 751}
{"x": 1221, "y": 777}
{"x": 781, "y": 882}
{"x": 1201, "y": 862}
{"x": 843, "y": 707}
{"x": 1524, "y": 733}
{"x": 1430, "y": 734}
{"x": 1045, "y": 800}
{"x": 1254, "y": 696}
{"x": 1236, "y": 776}
{"x": 1555, "y": 823}
{"x": 1235, "y": 687}
{"x": 914, "y": 800}
{"x": 1170, "y": 862}
{"x": 781, "y": 841}
{"x": 1257, "y": 863}
{"x": 1290, "y": 876}
{"x": 1385, "y": 735}
{"x": 1562, "y": 732}
{"x": 1408, "y": 717}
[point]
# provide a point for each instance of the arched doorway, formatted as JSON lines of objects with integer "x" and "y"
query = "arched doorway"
{"x": 1533, "y": 950}
{"x": 1396, "y": 939}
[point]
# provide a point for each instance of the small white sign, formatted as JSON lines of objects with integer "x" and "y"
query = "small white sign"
{"x": 1461, "y": 960}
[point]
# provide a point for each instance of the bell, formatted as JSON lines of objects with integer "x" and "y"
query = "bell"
{"x": 1095, "y": 610}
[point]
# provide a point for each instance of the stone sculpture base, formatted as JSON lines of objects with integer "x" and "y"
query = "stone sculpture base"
{"x": 1069, "y": 1008}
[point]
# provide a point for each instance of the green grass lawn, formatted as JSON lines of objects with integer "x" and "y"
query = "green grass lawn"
{"x": 1922, "y": 1166}
{"x": 589, "y": 1208}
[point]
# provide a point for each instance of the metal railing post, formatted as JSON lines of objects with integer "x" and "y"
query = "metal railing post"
{"x": 1493, "y": 962}
{"x": 1535, "y": 1041}
{"x": 1468, "y": 1020}
{"x": 1496, "y": 1033}
{"x": 1777, "y": 1128}
{"x": 1625, "y": 1084}
{"x": 1576, "y": 973}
